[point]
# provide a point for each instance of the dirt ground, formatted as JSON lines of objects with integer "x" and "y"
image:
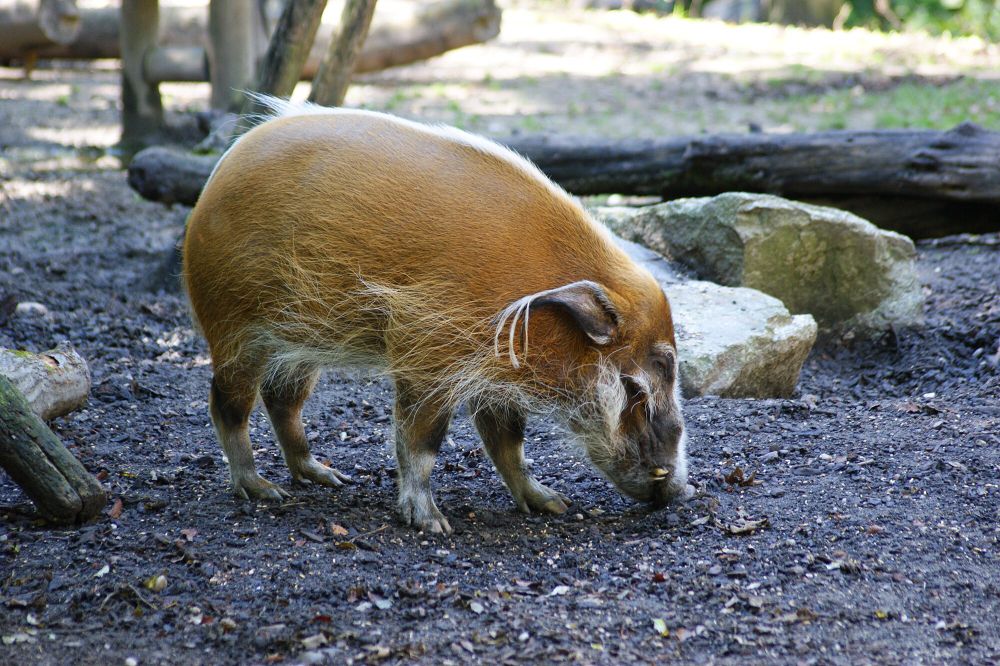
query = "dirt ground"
{"x": 869, "y": 502}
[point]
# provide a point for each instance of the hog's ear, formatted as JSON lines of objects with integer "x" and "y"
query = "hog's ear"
{"x": 589, "y": 305}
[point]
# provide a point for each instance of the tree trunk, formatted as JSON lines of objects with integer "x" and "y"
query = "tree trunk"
{"x": 54, "y": 383}
{"x": 430, "y": 29}
{"x": 288, "y": 49}
{"x": 56, "y": 482}
{"x": 935, "y": 183}
{"x": 28, "y": 24}
{"x": 334, "y": 75}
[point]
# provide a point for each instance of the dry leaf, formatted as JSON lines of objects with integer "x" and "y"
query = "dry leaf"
{"x": 742, "y": 526}
{"x": 115, "y": 511}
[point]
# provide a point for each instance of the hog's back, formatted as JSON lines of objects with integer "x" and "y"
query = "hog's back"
{"x": 310, "y": 208}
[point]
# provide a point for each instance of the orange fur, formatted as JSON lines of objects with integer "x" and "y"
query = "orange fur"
{"x": 356, "y": 239}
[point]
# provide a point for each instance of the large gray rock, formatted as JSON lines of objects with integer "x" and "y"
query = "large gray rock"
{"x": 846, "y": 272}
{"x": 732, "y": 342}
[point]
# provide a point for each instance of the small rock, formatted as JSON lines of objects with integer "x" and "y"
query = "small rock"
{"x": 846, "y": 272}
{"x": 735, "y": 343}
{"x": 31, "y": 309}
{"x": 312, "y": 657}
{"x": 770, "y": 456}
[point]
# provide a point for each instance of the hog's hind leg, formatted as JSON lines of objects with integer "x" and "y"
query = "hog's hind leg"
{"x": 420, "y": 429}
{"x": 283, "y": 400}
{"x": 230, "y": 402}
{"x": 503, "y": 438}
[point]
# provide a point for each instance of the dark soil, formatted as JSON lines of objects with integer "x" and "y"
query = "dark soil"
{"x": 855, "y": 523}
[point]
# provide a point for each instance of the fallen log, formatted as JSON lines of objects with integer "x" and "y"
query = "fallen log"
{"x": 401, "y": 33}
{"x": 169, "y": 175}
{"x": 54, "y": 382}
{"x": 61, "y": 488}
{"x": 29, "y": 24}
{"x": 922, "y": 174}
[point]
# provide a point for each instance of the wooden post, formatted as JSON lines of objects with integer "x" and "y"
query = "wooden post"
{"x": 287, "y": 52}
{"x": 334, "y": 75}
{"x": 236, "y": 41}
{"x": 56, "y": 482}
{"x": 142, "y": 109}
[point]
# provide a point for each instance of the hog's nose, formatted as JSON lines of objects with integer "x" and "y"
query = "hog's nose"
{"x": 660, "y": 495}
{"x": 661, "y": 473}
{"x": 660, "y": 486}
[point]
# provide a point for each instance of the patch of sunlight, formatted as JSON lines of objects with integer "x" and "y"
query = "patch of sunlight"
{"x": 36, "y": 190}
{"x": 185, "y": 96}
{"x": 90, "y": 135}
{"x": 57, "y": 93}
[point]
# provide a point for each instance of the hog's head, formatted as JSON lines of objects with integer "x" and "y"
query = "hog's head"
{"x": 620, "y": 378}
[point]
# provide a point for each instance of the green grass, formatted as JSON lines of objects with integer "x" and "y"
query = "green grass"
{"x": 909, "y": 105}
{"x": 933, "y": 107}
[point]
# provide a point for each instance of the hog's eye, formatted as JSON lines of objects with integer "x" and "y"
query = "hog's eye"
{"x": 666, "y": 366}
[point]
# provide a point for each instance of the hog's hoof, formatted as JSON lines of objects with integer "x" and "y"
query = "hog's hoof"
{"x": 316, "y": 472}
{"x": 421, "y": 513}
{"x": 257, "y": 487}
{"x": 542, "y": 499}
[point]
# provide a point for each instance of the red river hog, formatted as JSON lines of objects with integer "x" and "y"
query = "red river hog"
{"x": 347, "y": 238}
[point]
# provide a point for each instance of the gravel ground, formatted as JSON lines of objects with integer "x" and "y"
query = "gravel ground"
{"x": 854, "y": 523}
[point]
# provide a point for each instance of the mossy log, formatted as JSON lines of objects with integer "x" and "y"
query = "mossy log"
{"x": 54, "y": 382}
{"x": 50, "y": 476}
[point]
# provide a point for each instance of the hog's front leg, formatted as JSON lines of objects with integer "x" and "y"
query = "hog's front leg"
{"x": 503, "y": 437}
{"x": 420, "y": 429}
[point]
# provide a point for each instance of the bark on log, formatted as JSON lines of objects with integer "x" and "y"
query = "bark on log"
{"x": 959, "y": 164}
{"x": 334, "y": 76}
{"x": 28, "y": 24}
{"x": 924, "y": 173}
{"x": 50, "y": 476}
{"x": 54, "y": 383}
{"x": 396, "y": 38}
